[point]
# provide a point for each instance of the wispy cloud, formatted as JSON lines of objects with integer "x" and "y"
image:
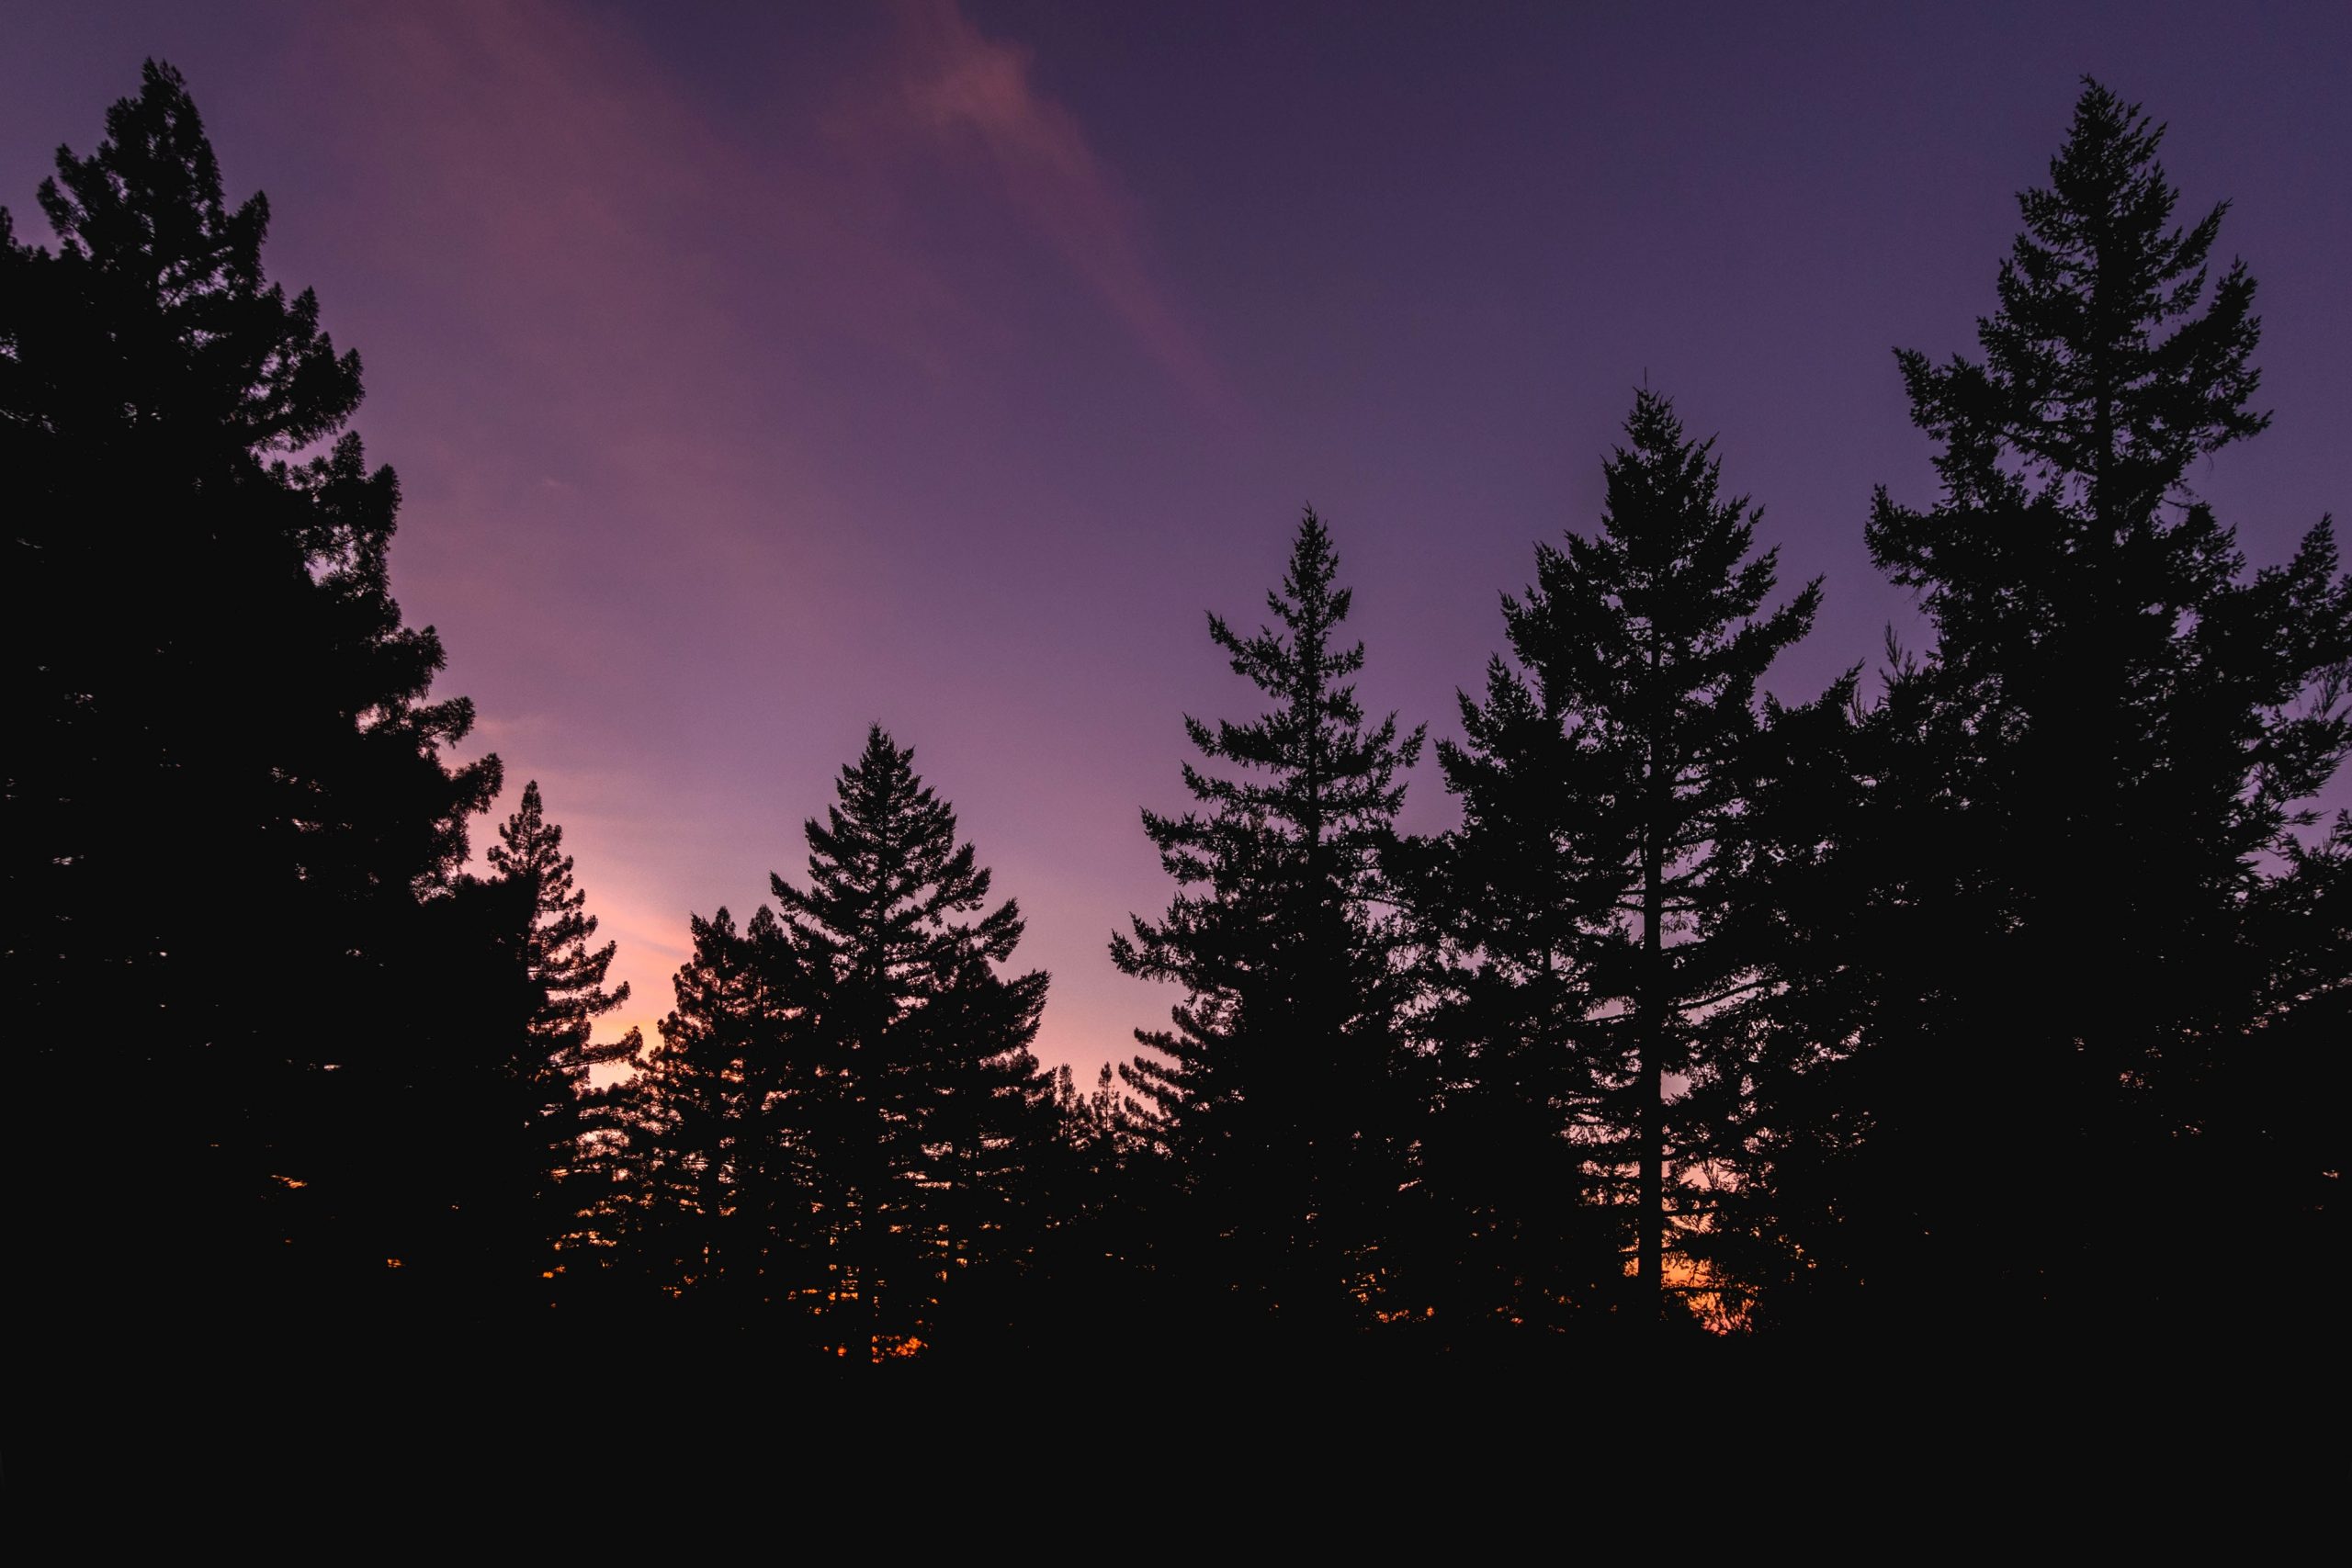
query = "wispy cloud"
{"x": 968, "y": 93}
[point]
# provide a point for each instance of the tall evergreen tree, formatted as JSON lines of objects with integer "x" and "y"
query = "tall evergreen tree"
{"x": 2074, "y": 790}
{"x": 691, "y": 1126}
{"x": 558, "y": 992}
{"x": 1273, "y": 1090}
{"x": 224, "y": 745}
{"x": 931, "y": 1105}
{"x": 1597, "y": 780}
{"x": 565, "y": 974}
{"x": 842, "y": 1129}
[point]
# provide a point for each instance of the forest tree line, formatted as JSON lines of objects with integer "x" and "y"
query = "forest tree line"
{"x": 2001, "y": 994}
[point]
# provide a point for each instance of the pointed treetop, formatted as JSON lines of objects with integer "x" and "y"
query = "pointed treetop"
{"x": 1329, "y": 769}
{"x": 146, "y": 212}
{"x": 887, "y": 875}
{"x": 1664, "y": 594}
{"x": 569, "y": 973}
{"x": 2102, "y": 382}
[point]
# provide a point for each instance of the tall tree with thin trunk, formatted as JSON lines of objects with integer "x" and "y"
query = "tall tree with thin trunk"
{"x": 928, "y": 1105}
{"x": 558, "y": 992}
{"x": 1598, "y": 777}
{"x": 1273, "y": 1090}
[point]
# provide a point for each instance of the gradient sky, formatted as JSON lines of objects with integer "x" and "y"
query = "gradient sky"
{"x": 754, "y": 373}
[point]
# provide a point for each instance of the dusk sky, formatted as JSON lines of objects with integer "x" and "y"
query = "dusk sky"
{"x": 755, "y": 373}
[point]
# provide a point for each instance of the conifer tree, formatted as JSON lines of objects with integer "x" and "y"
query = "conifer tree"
{"x": 1597, "y": 780}
{"x": 559, "y": 992}
{"x": 694, "y": 1140}
{"x": 224, "y": 745}
{"x": 921, "y": 1105}
{"x": 2074, "y": 787}
{"x": 1272, "y": 1091}
{"x": 842, "y": 1128}
{"x": 566, "y": 975}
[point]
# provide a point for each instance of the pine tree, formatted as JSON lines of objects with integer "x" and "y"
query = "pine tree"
{"x": 559, "y": 993}
{"x": 841, "y": 1135}
{"x": 1597, "y": 781}
{"x": 2073, "y": 789}
{"x": 702, "y": 1126}
{"x": 922, "y": 1106}
{"x": 565, "y": 973}
{"x": 224, "y": 747}
{"x": 1272, "y": 1091}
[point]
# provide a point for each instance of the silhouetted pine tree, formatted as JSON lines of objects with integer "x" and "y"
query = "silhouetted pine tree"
{"x": 1597, "y": 780}
{"x": 223, "y": 749}
{"x": 923, "y": 1106}
{"x": 678, "y": 1162}
{"x": 842, "y": 1137}
{"x": 2071, "y": 794}
{"x": 1274, "y": 1091}
{"x": 557, "y": 993}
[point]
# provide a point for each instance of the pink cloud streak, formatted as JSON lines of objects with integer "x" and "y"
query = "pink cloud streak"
{"x": 957, "y": 87}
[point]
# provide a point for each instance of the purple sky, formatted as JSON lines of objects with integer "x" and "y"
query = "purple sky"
{"x": 752, "y": 377}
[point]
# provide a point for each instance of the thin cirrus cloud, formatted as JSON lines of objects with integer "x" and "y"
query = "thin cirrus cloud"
{"x": 619, "y": 244}
{"x": 963, "y": 93}
{"x": 551, "y": 137}
{"x": 601, "y": 220}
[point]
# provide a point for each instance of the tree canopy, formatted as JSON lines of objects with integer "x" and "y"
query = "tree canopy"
{"x": 2076, "y": 791}
{"x": 226, "y": 739}
{"x": 2002, "y": 1003}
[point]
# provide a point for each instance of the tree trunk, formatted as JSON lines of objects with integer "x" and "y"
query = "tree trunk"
{"x": 1650, "y": 1257}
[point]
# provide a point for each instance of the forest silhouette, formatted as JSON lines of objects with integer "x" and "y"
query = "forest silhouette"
{"x": 1998, "y": 1000}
